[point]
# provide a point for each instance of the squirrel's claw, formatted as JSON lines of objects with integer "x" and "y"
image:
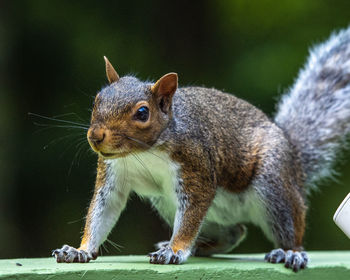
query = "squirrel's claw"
{"x": 166, "y": 255}
{"x": 291, "y": 259}
{"x": 69, "y": 254}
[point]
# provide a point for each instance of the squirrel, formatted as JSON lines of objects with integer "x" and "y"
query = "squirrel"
{"x": 210, "y": 162}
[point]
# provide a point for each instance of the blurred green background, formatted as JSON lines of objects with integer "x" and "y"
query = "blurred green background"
{"x": 51, "y": 64}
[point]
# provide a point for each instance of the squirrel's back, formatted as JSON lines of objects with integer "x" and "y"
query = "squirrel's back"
{"x": 210, "y": 111}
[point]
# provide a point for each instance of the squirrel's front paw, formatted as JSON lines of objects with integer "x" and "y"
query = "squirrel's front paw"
{"x": 291, "y": 259}
{"x": 166, "y": 255}
{"x": 69, "y": 254}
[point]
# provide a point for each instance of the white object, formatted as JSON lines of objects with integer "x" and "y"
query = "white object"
{"x": 342, "y": 216}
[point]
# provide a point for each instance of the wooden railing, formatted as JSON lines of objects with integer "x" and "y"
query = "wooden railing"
{"x": 328, "y": 265}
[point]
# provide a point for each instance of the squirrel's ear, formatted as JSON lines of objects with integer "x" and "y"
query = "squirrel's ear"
{"x": 112, "y": 75}
{"x": 164, "y": 90}
{"x": 166, "y": 85}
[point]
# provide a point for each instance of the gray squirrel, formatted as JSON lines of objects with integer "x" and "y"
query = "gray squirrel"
{"x": 210, "y": 162}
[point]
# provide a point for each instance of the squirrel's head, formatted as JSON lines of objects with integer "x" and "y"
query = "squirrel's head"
{"x": 129, "y": 115}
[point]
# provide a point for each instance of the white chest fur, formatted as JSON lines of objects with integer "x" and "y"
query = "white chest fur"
{"x": 150, "y": 173}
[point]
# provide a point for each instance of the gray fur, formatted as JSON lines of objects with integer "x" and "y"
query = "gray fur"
{"x": 315, "y": 113}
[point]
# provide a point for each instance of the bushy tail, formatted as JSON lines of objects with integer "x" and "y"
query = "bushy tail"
{"x": 315, "y": 113}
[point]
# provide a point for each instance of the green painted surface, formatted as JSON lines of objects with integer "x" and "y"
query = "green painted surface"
{"x": 323, "y": 265}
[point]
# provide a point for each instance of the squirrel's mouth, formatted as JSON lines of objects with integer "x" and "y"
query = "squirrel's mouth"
{"x": 113, "y": 155}
{"x": 107, "y": 154}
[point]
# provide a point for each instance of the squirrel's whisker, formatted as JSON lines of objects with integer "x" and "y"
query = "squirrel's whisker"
{"x": 75, "y": 221}
{"x": 104, "y": 247}
{"x": 145, "y": 167}
{"x": 55, "y": 141}
{"x": 143, "y": 144}
{"x": 125, "y": 174}
{"x": 71, "y": 114}
{"x": 59, "y": 126}
{"x": 58, "y": 120}
{"x": 79, "y": 146}
{"x": 115, "y": 245}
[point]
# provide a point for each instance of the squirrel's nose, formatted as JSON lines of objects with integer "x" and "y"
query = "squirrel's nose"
{"x": 96, "y": 136}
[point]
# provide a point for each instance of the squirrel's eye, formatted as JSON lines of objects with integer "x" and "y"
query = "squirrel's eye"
{"x": 142, "y": 114}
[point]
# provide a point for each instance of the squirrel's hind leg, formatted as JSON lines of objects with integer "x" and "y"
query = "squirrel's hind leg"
{"x": 278, "y": 187}
{"x": 219, "y": 240}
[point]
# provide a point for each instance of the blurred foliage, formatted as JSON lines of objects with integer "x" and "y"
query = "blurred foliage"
{"x": 51, "y": 64}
